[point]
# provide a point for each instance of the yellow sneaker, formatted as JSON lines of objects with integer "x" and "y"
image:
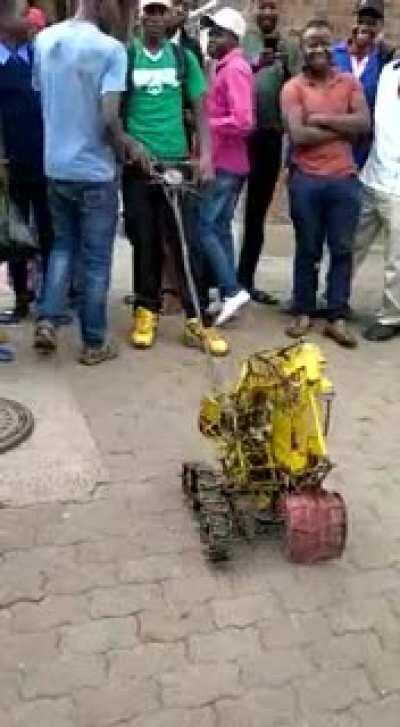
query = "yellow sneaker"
{"x": 198, "y": 336}
{"x": 144, "y": 329}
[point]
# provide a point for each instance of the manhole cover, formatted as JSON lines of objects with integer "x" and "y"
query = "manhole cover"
{"x": 16, "y": 424}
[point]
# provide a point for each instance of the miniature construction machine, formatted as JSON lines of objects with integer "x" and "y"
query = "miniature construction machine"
{"x": 270, "y": 431}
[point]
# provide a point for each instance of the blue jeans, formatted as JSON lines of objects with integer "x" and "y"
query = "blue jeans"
{"x": 84, "y": 218}
{"x": 216, "y": 211}
{"x": 323, "y": 208}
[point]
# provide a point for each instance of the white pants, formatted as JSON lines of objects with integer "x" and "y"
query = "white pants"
{"x": 380, "y": 216}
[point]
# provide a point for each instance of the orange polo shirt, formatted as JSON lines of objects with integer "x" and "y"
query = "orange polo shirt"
{"x": 334, "y": 158}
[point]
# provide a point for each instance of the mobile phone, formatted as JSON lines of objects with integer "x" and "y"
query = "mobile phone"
{"x": 271, "y": 44}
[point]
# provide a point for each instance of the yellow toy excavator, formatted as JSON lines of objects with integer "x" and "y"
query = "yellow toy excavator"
{"x": 270, "y": 431}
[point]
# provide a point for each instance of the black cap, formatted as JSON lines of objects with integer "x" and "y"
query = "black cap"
{"x": 372, "y": 7}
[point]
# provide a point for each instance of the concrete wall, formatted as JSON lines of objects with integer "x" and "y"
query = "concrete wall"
{"x": 295, "y": 13}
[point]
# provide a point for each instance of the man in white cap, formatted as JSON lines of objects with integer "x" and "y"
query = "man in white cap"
{"x": 162, "y": 79}
{"x": 230, "y": 115}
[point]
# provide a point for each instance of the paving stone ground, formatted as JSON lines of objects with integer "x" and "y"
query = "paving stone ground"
{"x": 109, "y": 613}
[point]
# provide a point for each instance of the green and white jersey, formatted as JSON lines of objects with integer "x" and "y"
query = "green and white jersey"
{"x": 154, "y": 107}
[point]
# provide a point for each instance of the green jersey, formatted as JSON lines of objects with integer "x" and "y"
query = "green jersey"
{"x": 154, "y": 109}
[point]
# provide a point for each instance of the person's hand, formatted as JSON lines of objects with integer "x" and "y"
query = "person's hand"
{"x": 135, "y": 153}
{"x": 267, "y": 57}
{"x": 321, "y": 120}
{"x": 206, "y": 169}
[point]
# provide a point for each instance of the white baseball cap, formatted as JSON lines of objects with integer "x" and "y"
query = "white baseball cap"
{"x": 228, "y": 19}
{"x": 165, "y": 3}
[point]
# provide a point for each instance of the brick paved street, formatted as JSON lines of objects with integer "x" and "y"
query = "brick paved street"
{"x": 109, "y": 613}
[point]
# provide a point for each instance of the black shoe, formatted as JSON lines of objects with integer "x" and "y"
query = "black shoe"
{"x": 15, "y": 316}
{"x": 262, "y": 297}
{"x": 378, "y": 333}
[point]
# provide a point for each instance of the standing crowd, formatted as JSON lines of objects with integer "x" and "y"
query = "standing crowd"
{"x": 85, "y": 118}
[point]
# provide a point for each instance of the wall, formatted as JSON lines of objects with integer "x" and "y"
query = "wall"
{"x": 295, "y": 13}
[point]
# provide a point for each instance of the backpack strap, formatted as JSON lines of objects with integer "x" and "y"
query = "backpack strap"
{"x": 129, "y": 83}
{"x": 182, "y": 71}
{"x": 181, "y": 62}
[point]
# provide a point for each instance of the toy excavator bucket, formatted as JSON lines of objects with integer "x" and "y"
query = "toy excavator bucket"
{"x": 315, "y": 526}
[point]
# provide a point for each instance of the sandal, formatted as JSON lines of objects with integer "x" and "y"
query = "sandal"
{"x": 93, "y": 356}
{"x": 339, "y": 332}
{"x": 45, "y": 337}
{"x": 300, "y": 327}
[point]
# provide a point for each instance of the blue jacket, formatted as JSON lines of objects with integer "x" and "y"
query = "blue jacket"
{"x": 369, "y": 81}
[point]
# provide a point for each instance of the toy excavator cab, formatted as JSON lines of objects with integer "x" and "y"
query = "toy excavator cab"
{"x": 270, "y": 431}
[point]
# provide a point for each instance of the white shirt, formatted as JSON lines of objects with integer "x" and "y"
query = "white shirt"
{"x": 358, "y": 67}
{"x": 382, "y": 170}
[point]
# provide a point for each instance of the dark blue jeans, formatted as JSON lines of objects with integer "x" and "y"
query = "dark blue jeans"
{"x": 216, "y": 211}
{"x": 323, "y": 208}
{"x": 84, "y": 219}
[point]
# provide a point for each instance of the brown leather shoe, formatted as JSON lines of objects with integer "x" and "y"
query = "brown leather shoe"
{"x": 94, "y": 356}
{"x": 339, "y": 332}
{"x": 299, "y": 327}
{"x": 45, "y": 337}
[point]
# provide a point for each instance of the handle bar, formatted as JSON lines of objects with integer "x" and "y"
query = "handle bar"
{"x": 172, "y": 175}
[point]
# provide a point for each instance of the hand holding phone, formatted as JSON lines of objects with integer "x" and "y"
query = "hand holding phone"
{"x": 267, "y": 57}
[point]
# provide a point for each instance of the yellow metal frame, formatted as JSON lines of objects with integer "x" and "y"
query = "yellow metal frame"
{"x": 270, "y": 428}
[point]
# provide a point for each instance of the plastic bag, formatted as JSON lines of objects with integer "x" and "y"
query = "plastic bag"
{"x": 17, "y": 238}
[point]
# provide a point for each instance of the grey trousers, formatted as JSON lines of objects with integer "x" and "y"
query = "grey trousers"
{"x": 380, "y": 217}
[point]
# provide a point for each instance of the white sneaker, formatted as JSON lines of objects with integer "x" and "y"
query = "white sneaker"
{"x": 214, "y": 308}
{"x": 231, "y": 306}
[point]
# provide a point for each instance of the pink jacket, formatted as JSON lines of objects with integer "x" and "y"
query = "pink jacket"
{"x": 230, "y": 112}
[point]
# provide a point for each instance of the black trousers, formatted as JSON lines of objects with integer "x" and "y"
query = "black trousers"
{"x": 265, "y": 152}
{"x": 30, "y": 194}
{"x": 150, "y": 226}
